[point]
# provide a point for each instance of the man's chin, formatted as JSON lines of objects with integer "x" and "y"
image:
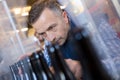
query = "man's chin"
{"x": 61, "y": 43}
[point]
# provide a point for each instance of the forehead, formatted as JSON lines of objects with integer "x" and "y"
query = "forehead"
{"x": 47, "y": 18}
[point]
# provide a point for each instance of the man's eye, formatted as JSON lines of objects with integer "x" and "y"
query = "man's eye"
{"x": 40, "y": 34}
{"x": 52, "y": 27}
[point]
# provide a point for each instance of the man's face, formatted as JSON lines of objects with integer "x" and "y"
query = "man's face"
{"x": 52, "y": 27}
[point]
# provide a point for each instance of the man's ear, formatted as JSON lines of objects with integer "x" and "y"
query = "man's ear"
{"x": 64, "y": 14}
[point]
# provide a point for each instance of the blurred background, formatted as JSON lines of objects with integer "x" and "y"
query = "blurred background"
{"x": 101, "y": 19}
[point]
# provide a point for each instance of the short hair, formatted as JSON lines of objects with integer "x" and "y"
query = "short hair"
{"x": 39, "y": 6}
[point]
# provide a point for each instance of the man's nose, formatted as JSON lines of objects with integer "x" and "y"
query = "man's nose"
{"x": 50, "y": 36}
{"x": 40, "y": 38}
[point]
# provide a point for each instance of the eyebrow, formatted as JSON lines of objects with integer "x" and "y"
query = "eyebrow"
{"x": 53, "y": 25}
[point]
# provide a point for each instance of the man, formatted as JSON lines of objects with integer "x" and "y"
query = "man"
{"x": 51, "y": 23}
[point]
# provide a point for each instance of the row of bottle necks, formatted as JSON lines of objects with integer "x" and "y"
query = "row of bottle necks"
{"x": 36, "y": 67}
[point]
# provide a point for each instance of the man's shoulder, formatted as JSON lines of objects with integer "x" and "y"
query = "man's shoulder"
{"x": 70, "y": 48}
{"x": 76, "y": 32}
{"x": 75, "y": 29}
